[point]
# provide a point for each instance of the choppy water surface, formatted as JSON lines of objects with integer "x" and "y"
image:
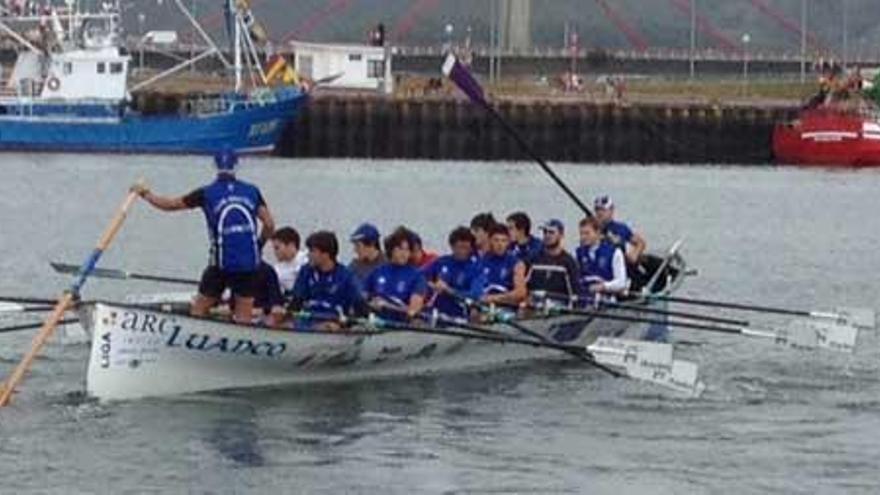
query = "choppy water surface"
{"x": 771, "y": 421}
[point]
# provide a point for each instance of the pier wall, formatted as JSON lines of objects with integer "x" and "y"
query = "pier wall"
{"x": 354, "y": 126}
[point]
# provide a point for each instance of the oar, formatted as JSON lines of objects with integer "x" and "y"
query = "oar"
{"x": 861, "y": 317}
{"x": 799, "y": 334}
{"x": 629, "y": 307}
{"x": 31, "y": 326}
{"x": 644, "y": 361}
{"x": 6, "y": 307}
{"x": 122, "y": 274}
{"x": 578, "y": 352}
{"x": 678, "y": 314}
{"x": 66, "y": 300}
{"x": 28, "y": 300}
{"x": 466, "y": 82}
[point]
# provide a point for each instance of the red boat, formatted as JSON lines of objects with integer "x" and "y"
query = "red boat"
{"x": 829, "y": 136}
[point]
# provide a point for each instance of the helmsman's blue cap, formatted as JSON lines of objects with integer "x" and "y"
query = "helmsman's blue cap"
{"x": 366, "y": 232}
{"x": 226, "y": 159}
{"x": 603, "y": 203}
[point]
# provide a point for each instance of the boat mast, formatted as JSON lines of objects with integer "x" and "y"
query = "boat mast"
{"x": 233, "y": 9}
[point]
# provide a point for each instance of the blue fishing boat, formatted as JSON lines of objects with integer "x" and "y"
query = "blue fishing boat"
{"x": 69, "y": 90}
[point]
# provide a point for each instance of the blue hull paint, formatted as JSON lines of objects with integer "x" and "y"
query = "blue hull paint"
{"x": 256, "y": 127}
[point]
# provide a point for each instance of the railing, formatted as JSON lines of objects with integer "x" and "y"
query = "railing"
{"x": 227, "y": 103}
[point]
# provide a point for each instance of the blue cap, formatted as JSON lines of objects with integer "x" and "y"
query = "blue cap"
{"x": 553, "y": 224}
{"x": 226, "y": 159}
{"x": 366, "y": 232}
{"x": 603, "y": 202}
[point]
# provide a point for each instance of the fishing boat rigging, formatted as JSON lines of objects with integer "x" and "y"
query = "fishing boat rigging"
{"x": 69, "y": 88}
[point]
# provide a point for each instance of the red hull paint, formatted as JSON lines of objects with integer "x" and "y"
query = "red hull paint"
{"x": 828, "y": 137}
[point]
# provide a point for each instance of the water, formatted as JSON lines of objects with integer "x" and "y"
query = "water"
{"x": 772, "y": 420}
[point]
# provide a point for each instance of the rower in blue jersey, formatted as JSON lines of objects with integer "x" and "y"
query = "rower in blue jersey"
{"x": 368, "y": 255}
{"x": 396, "y": 290}
{"x": 602, "y": 268}
{"x": 505, "y": 274}
{"x": 456, "y": 276}
{"x": 324, "y": 288}
{"x": 523, "y": 244}
{"x": 233, "y": 210}
{"x": 480, "y": 228}
{"x": 620, "y": 234}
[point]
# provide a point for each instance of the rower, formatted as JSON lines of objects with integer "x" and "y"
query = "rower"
{"x": 419, "y": 256}
{"x": 456, "y": 276}
{"x": 554, "y": 270}
{"x": 276, "y": 280}
{"x": 523, "y": 244}
{"x": 289, "y": 259}
{"x": 232, "y": 208}
{"x": 620, "y": 234}
{"x": 630, "y": 242}
{"x": 505, "y": 274}
{"x": 325, "y": 288}
{"x": 396, "y": 290}
{"x": 480, "y": 229}
{"x": 602, "y": 265}
{"x": 368, "y": 254}
{"x": 268, "y": 296}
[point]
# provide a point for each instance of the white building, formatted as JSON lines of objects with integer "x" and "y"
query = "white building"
{"x": 360, "y": 67}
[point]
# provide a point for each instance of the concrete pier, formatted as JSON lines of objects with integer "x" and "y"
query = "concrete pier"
{"x": 358, "y": 126}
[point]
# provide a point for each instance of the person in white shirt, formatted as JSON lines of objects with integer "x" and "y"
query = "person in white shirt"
{"x": 602, "y": 264}
{"x": 289, "y": 258}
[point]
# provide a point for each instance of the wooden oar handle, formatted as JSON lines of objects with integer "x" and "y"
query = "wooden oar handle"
{"x": 65, "y": 301}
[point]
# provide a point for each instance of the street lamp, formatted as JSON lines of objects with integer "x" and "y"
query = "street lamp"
{"x": 447, "y": 33}
{"x": 746, "y": 39}
{"x": 142, "y": 18}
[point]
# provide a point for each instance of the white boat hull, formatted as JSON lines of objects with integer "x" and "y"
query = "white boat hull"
{"x": 144, "y": 353}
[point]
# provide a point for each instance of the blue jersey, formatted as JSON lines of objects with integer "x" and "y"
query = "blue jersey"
{"x": 596, "y": 263}
{"x": 498, "y": 272}
{"x": 327, "y": 293}
{"x": 462, "y": 276}
{"x": 395, "y": 284}
{"x": 230, "y": 207}
{"x": 529, "y": 251}
{"x": 618, "y": 233}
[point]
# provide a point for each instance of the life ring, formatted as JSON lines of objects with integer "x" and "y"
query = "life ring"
{"x": 53, "y": 83}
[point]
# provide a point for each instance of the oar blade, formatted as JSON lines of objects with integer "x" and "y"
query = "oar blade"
{"x": 458, "y": 74}
{"x": 812, "y": 334}
{"x": 865, "y": 318}
{"x": 96, "y": 272}
{"x": 650, "y": 362}
{"x": 836, "y": 336}
{"x": 682, "y": 377}
{"x": 64, "y": 267}
{"x": 623, "y": 352}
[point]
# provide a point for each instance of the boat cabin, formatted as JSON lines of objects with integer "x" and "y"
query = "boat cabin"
{"x": 358, "y": 67}
{"x": 84, "y": 74}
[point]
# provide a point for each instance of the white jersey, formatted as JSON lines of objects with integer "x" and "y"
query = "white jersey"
{"x": 288, "y": 270}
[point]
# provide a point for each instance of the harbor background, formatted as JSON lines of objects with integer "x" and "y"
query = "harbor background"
{"x": 772, "y": 420}
{"x": 655, "y": 82}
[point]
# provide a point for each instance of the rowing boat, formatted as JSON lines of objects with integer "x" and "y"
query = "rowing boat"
{"x": 146, "y": 352}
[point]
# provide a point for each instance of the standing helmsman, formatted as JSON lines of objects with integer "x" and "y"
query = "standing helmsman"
{"x": 233, "y": 211}
{"x": 620, "y": 234}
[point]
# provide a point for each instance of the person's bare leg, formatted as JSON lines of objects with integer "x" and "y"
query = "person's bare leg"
{"x": 244, "y": 310}
{"x": 202, "y": 305}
